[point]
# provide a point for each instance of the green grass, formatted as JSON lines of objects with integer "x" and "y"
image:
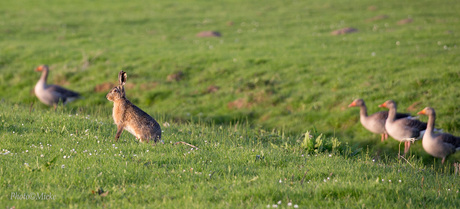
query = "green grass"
{"x": 276, "y": 59}
{"x": 72, "y": 156}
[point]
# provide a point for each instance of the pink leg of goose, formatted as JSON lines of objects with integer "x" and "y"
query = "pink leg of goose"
{"x": 406, "y": 147}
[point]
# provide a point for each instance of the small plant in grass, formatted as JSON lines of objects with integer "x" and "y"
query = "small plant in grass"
{"x": 48, "y": 165}
{"x": 320, "y": 143}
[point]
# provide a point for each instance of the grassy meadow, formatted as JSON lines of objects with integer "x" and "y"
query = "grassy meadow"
{"x": 246, "y": 99}
{"x": 73, "y": 159}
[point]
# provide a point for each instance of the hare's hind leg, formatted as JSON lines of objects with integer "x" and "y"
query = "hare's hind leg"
{"x": 119, "y": 130}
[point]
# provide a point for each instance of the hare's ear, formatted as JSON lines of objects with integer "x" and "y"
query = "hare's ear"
{"x": 122, "y": 78}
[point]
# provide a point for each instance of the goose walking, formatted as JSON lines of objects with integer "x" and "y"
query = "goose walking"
{"x": 439, "y": 145}
{"x": 52, "y": 94}
{"x": 375, "y": 123}
{"x": 405, "y": 130}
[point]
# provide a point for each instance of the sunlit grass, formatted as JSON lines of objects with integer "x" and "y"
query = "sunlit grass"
{"x": 73, "y": 158}
{"x": 276, "y": 67}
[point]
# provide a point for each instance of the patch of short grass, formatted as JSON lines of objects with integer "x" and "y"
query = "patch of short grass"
{"x": 73, "y": 158}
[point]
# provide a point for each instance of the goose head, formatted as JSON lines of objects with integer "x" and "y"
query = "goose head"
{"x": 388, "y": 104}
{"x": 357, "y": 103}
{"x": 42, "y": 68}
{"x": 426, "y": 111}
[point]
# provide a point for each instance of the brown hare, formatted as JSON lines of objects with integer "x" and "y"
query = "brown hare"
{"x": 128, "y": 116}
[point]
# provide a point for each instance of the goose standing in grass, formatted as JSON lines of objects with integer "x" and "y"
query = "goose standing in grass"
{"x": 438, "y": 145}
{"x": 405, "y": 130}
{"x": 375, "y": 123}
{"x": 52, "y": 94}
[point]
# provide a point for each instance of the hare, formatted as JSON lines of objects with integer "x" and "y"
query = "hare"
{"x": 128, "y": 116}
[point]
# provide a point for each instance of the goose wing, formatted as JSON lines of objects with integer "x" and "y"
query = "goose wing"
{"x": 450, "y": 139}
{"x": 414, "y": 124}
{"x": 62, "y": 93}
{"x": 401, "y": 115}
{"x": 383, "y": 115}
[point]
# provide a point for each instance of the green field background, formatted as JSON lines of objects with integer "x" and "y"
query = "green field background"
{"x": 275, "y": 73}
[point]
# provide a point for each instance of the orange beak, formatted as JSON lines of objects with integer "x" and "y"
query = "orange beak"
{"x": 39, "y": 68}
{"x": 383, "y": 105}
{"x": 422, "y": 112}
{"x": 353, "y": 104}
